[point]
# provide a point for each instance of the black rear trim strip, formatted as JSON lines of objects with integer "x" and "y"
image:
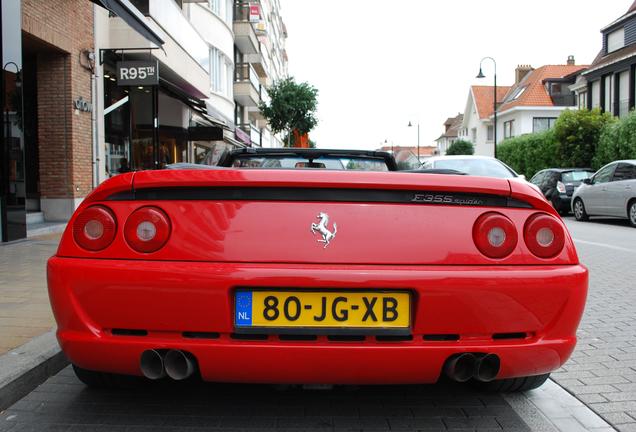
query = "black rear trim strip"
{"x": 318, "y": 194}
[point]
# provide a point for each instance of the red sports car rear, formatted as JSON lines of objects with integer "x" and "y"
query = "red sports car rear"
{"x": 288, "y": 276}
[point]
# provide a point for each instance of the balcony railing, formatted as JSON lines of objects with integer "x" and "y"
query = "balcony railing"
{"x": 253, "y": 132}
{"x": 242, "y": 10}
{"x": 244, "y": 72}
{"x": 563, "y": 99}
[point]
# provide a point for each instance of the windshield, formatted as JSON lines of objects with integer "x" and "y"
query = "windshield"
{"x": 576, "y": 176}
{"x": 297, "y": 162}
{"x": 476, "y": 167}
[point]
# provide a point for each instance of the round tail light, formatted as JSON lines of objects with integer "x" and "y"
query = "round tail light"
{"x": 94, "y": 228}
{"x": 147, "y": 229}
{"x": 494, "y": 235}
{"x": 544, "y": 235}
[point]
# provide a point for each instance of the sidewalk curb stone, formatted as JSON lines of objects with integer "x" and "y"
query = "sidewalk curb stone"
{"x": 26, "y": 367}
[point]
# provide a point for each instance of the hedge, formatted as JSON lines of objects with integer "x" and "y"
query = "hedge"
{"x": 617, "y": 141}
{"x": 461, "y": 147}
{"x": 579, "y": 138}
{"x": 528, "y": 154}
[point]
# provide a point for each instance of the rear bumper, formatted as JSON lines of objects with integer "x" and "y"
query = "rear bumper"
{"x": 166, "y": 299}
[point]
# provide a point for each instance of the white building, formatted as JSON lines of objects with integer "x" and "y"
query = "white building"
{"x": 216, "y": 60}
{"x": 477, "y": 126}
{"x": 261, "y": 60}
{"x": 537, "y": 99}
{"x": 452, "y": 126}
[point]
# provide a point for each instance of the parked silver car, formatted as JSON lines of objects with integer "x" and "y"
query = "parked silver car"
{"x": 610, "y": 192}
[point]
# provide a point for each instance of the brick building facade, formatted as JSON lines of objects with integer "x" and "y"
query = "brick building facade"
{"x": 47, "y": 158}
{"x": 63, "y": 75}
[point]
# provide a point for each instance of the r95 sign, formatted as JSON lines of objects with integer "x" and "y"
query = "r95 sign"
{"x": 137, "y": 73}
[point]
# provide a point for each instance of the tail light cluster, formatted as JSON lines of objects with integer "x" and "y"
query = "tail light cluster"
{"x": 496, "y": 236}
{"x": 146, "y": 230}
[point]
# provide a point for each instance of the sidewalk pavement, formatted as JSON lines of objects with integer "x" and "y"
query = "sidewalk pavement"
{"x": 25, "y": 311}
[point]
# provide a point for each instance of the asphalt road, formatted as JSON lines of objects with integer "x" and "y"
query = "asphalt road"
{"x": 602, "y": 373}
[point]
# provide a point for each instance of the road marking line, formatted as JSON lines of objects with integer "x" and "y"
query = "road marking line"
{"x": 608, "y": 246}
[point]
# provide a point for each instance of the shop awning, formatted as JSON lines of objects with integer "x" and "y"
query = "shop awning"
{"x": 191, "y": 101}
{"x": 131, "y": 15}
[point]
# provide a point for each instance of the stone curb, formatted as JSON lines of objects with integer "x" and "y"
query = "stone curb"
{"x": 26, "y": 367}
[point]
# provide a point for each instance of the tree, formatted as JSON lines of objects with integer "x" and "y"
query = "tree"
{"x": 460, "y": 147}
{"x": 292, "y": 106}
{"x": 577, "y": 134}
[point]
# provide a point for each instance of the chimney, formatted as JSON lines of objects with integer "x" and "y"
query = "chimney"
{"x": 521, "y": 72}
{"x": 571, "y": 61}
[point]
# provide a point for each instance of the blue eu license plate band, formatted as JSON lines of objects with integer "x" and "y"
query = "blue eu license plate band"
{"x": 243, "y": 309}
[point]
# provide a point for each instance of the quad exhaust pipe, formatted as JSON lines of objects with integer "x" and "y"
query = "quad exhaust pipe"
{"x": 482, "y": 367}
{"x": 176, "y": 364}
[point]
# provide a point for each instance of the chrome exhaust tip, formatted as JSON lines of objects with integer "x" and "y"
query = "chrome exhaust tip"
{"x": 152, "y": 365}
{"x": 179, "y": 365}
{"x": 487, "y": 368}
{"x": 460, "y": 367}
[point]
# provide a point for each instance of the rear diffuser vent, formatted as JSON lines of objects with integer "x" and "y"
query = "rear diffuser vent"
{"x": 299, "y": 337}
{"x": 441, "y": 337}
{"x": 129, "y": 332}
{"x": 346, "y": 338}
{"x": 200, "y": 335}
{"x": 249, "y": 337}
{"x": 395, "y": 338}
{"x": 518, "y": 335}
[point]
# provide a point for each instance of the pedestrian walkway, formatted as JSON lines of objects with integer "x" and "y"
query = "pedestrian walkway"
{"x": 25, "y": 311}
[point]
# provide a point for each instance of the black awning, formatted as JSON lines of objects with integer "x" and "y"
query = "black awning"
{"x": 191, "y": 101}
{"x": 129, "y": 13}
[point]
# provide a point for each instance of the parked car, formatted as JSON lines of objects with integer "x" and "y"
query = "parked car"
{"x": 558, "y": 185}
{"x": 471, "y": 165}
{"x": 310, "y": 275}
{"x": 610, "y": 192}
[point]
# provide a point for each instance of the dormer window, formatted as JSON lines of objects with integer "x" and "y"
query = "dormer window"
{"x": 616, "y": 40}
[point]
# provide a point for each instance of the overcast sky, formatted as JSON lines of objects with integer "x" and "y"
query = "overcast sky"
{"x": 380, "y": 64}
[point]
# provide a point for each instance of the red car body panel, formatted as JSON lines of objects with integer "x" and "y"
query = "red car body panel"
{"x": 216, "y": 247}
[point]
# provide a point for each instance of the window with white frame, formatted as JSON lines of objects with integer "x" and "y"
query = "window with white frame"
{"x": 582, "y": 100}
{"x": 509, "y": 129}
{"x": 215, "y": 6}
{"x": 473, "y": 135}
{"x": 221, "y": 73}
{"x": 490, "y": 135}
{"x": 616, "y": 40}
{"x": 541, "y": 124}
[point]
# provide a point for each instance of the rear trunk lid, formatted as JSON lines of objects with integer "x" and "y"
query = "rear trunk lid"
{"x": 322, "y": 217}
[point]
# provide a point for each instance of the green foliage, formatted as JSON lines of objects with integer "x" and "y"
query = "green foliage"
{"x": 529, "y": 153}
{"x": 292, "y": 106}
{"x": 460, "y": 147}
{"x": 577, "y": 134}
{"x": 617, "y": 141}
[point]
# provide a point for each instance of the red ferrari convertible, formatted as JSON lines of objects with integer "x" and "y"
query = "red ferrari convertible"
{"x": 317, "y": 267}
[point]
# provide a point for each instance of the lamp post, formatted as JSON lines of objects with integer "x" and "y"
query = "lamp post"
{"x": 418, "y": 140}
{"x": 494, "y": 103}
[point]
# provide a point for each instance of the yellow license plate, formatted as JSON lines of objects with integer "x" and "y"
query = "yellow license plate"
{"x": 322, "y": 310}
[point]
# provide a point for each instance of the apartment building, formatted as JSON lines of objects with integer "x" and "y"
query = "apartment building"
{"x": 261, "y": 59}
{"x": 609, "y": 82}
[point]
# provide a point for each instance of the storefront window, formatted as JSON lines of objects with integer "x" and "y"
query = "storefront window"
{"x": 117, "y": 125}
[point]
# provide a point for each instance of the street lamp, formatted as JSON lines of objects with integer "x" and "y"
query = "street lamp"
{"x": 481, "y": 75}
{"x": 418, "y": 140}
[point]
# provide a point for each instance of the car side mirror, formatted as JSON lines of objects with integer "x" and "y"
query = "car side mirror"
{"x": 588, "y": 181}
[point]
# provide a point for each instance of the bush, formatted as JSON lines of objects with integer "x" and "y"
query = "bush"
{"x": 528, "y": 154}
{"x": 577, "y": 134}
{"x": 617, "y": 141}
{"x": 460, "y": 147}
